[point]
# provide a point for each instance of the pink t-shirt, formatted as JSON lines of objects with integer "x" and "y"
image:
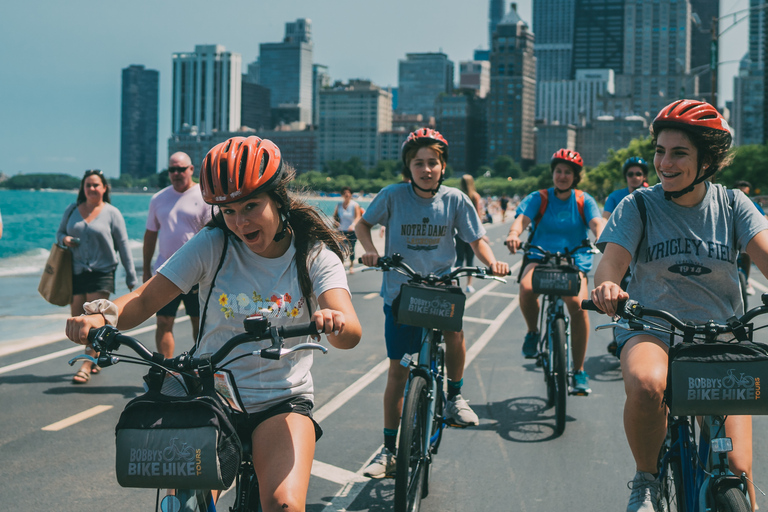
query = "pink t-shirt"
{"x": 177, "y": 217}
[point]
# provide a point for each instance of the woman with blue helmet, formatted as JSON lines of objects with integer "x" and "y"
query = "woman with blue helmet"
{"x": 636, "y": 174}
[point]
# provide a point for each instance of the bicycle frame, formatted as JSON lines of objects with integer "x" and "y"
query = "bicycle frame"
{"x": 555, "y": 308}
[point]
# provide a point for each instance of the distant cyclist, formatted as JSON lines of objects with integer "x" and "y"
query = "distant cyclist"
{"x": 565, "y": 222}
{"x": 264, "y": 251}
{"x": 636, "y": 175}
{"x": 745, "y": 262}
{"x": 692, "y": 141}
{"x": 421, "y": 217}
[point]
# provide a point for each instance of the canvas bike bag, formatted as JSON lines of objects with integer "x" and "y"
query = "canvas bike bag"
{"x": 176, "y": 442}
{"x": 431, "y": 307}
{"x": 717, "y": 379}
{"x": 551, "y": 279}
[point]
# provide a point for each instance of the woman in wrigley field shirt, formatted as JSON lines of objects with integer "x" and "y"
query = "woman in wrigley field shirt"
{"x": 275, "y": 255}
{"x": 421, "y": 217}
{"x": 565, "y": 223}
{"x": 684, "y": 262}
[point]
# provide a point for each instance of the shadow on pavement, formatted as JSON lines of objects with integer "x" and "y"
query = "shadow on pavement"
{"x": 604, "y": 368}
{"x": 376, "y": 496}
{"x": 90, "y": 389}
{"x": 521, "y": 420}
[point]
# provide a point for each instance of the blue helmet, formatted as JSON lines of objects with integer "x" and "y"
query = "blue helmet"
{"x": 635, "y": 161}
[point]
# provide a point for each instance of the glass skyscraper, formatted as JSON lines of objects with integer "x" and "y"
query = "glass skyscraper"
{"x": 138, "y": 122}
{"x": 553, "y": 22}
{"x": 421, "y": 78}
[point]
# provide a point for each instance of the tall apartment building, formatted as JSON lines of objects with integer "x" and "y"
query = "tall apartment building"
{"x": 512, "y": 100}
{"x": 598, "y": 34}
{"x": 701, "y": 40}
{"x": 476, "y": 75}
{"x": 576, "y": 101}
{"x": 553, "y": 24}
{"x": 461, "y": 119}
{"x": 749, "y": 86}
{"x": 351, "y": 117}
{"x": 320, "y": 80}
{"x": 206, "y": 89}
{"x": 496, "y": 13}
{"x": 138, "y": 122}
{"x": 255, "y": 111}
{"x": 421, "y": 78}
{"x": 286, "y": 69}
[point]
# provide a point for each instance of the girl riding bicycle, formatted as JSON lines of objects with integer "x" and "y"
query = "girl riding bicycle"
{"x": 563, "y": 224}
{"x": 264, "y": 251}
{"x": 683, "y": 260}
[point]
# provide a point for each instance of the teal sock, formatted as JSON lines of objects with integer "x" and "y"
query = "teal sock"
{"x": 390, "y": 439}
{"x": 454, "y": 388}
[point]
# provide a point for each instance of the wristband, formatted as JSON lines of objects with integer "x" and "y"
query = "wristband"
{"x": 102, "y": 307}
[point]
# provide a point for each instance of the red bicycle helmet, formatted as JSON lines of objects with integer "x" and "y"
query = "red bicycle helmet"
{"x": 699, "y": 117}
{"x": 238, "y": 168}
{"x": 569, "y": 156}
{"x": 424, "y": 137}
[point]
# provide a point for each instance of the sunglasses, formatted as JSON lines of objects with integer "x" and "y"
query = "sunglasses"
{"x": 634, "y": 174}
{"x": 91, "y": 172}
{"x": 177, "y": 169}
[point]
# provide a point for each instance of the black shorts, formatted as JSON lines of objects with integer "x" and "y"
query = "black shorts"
{"x": 465, "y": 256}
{"x": 191, "y": 303}
{"x": 246, "y": 423}
{"x": 93, "y": 282}
{"x": 351, "y": 237}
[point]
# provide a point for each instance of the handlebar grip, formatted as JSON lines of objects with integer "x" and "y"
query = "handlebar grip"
{"x": 588, "y": 305}
{"x": 297, "y": 331}
{"x": 92, "y": 334}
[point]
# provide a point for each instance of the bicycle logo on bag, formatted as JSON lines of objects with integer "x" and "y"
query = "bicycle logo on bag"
{"x": 730, "y": 387}
{"x": 173, "y": 453}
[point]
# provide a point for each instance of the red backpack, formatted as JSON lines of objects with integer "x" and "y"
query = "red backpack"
{"x": 545, "y": 199}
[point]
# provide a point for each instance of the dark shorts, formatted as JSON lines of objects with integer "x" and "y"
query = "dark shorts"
{"x": 93, "y": 282}
{"x": 245, "y": 424}
{"x": 351, "y": 237}
{"x": 465, "y": 256}
{"x": 191, "y": 303}
{"x": 401, "y": 339}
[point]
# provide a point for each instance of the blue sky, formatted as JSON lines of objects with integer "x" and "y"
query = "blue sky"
{"x": 61, "y": 60}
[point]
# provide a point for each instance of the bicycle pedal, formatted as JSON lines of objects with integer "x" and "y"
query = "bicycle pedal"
{"x": 456, "y": 425}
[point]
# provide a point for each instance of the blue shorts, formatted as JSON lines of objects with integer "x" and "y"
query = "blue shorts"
{"x": 623, "y": 336}
{"x": 401, "y": 339}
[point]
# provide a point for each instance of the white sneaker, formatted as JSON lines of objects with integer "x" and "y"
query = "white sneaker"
{"x": 750, "y": 290}
{"x": 459, "y": 411}
{"x": 646, "y": 493}
{"x": 470, "y": 289}
{"x": 382, "y": 465}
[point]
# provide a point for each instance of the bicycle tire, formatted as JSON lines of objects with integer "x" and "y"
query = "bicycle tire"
{"x": 437, "y": 424}
{"x": 672, "y": 494}
{"x": 743, "y": 285}
{"x": 731, "y": 499}
{"x": 411, "y": 452}
{"x": 560, "y": 372}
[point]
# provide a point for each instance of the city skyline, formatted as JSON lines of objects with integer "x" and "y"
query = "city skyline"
{"x": 62, "y": 80}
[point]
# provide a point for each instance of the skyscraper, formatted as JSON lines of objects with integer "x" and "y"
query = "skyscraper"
{"x": 421, "y": 78}
{"x": 320, "y": 80}
{"x": 495, "y": 15}
{"x": 206, "y": 89}
{"x": 598, "y": 35}
{"x": 138, "y": 126}
{"x": 286, "y": 69}
{"x": 701, "y": 40}
{"x": 475, "y": 74}
{"x": 748, "y": 86}
{"x": 512, "y": 99}
{"x": 553, "y": 22}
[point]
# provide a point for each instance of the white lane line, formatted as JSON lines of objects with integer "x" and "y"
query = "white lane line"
{"x": 77, "y": 418}
{"x": 72, "y": 350}
{"x": 502, "y": 294}
{"x": 345, "y": 396}
{"x": 335, "y": 474}
{"x": 349, "y": 492}
{"x": 476, "y": 320}
{"x": 759, "y": 286}
{"x": 370, "y": 296}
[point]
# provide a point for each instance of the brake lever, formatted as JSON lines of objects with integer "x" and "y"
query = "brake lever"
{"x": 608, "y": 326}
{"x": 271, "y": 353}
{"x": 83, "y": 357}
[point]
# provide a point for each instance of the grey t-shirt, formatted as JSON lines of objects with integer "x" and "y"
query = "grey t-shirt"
{"x": 422, "y": 230}
{"x": 686, "y": 263}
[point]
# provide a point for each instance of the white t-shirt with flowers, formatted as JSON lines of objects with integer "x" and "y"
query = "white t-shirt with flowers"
{"x": 246, "y": 284}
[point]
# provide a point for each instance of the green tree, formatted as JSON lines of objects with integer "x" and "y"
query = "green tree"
{"x": 607, "y": 176}
{"x": 386, "y": 170}
{"x": 749, "y": 163}
{"x": 505, "y": 167}
{"x": 42, "y": 180}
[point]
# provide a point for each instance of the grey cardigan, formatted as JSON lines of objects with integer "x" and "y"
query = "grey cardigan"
{"x": 98, "y": 242}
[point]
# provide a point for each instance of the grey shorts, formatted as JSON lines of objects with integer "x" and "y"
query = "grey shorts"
{"x": 623, "y": 336}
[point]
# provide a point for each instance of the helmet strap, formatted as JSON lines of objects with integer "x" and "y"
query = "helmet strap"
{"x": 558, "y": 191}
{"x": 703, "y": 176}
{"x": 432, "y": 191}
{"x": 286, "y": 224}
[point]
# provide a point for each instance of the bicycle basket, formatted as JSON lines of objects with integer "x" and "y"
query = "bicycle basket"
{"x": 431, "y": 307}
{"x": 717, "y": 379}
{"x": 562, "y": 280}
{"x": 176, "y": 442}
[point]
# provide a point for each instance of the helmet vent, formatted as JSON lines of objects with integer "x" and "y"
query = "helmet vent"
{"x": 263, "y": 163}
{"x": 243, "y": 165}
{"x": 223, "y": 175}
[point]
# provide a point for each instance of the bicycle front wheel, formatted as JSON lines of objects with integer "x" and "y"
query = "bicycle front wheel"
{"x": 412, "y": 452}
{"x": 188, "y": 500}
{"x": 731, "y": 500}
{"x": 672, "y": 481}
{"x": 559, "y": 374}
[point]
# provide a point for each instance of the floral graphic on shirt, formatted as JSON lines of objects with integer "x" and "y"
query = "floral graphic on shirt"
{"x": 275, "y": 306}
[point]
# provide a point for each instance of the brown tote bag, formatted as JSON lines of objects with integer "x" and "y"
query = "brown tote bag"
{"x": 56, "y": 282}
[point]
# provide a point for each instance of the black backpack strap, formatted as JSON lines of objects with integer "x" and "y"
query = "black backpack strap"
{"x": 210, "y": 290}
{"x": 643, "y": 218}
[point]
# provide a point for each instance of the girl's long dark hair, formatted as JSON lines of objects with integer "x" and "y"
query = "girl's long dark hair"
{"x": 308, "y": 224}
{"x": 81, "y": 193}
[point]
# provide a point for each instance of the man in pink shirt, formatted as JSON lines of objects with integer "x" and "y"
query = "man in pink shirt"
{"x": 176, "y": 214}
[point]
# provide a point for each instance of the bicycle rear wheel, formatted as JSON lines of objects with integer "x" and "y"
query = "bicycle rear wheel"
{"x": 731, "y": 499}
{"x": 559, "y": 373}
{"x": 411, "y": 452}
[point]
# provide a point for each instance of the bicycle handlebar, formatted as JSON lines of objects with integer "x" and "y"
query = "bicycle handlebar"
{"x": 634, "y": 312}
{"x": 395, "y": 262}
{"x": 107, "y": 339}
{"x": 566, "y": 254}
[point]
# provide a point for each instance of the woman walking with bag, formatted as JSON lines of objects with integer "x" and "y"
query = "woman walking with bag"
{"x": 92, "y": 229}
{"x": 264, "y": 251}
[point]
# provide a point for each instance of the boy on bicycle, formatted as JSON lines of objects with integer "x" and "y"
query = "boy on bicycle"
{"x": 421, "y": 217}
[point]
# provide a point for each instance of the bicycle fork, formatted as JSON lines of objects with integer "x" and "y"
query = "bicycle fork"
{"x": 717, "y": 474}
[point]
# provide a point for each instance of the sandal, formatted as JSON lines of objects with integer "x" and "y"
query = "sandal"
{"x": 95, "y": 369}
{"x": 85, "y": 376}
